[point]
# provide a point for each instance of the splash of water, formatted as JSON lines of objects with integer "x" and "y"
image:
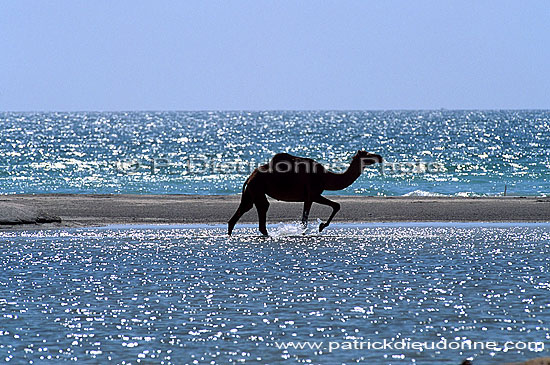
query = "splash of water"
{"x": 295, "y": 229}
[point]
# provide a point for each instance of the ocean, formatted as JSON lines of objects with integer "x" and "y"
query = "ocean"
{"x": 392, "y": 293}
{"x": 190, "y": 294}
{"x": 440, "y": 152}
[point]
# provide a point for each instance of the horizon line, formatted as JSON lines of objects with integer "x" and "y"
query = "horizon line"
{"x": 264, "y": 110}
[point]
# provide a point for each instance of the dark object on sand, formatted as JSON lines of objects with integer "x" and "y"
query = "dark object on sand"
{"x": 17, "y": 214}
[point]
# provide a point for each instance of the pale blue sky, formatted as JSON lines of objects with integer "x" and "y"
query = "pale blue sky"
{"x": 255, "y": 55}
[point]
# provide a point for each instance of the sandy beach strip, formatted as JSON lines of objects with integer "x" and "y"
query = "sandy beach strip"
{"x": 76, "y": 210}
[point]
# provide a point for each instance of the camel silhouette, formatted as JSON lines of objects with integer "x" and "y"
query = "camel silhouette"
{"x": 297, "y": 179}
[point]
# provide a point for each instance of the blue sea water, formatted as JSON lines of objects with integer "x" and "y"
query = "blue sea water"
{"x": 190, "y": 294}
{"x": 436, "y": 152}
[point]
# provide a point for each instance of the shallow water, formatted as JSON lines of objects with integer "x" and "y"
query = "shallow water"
{"x": 189, "y": 293}
{"x": 452, "y": 152}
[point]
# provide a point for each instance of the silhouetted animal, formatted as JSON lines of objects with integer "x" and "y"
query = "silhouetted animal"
{"x": 296, "y": 179}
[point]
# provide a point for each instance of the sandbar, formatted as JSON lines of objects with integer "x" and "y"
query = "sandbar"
{"x": 24, "y": 211}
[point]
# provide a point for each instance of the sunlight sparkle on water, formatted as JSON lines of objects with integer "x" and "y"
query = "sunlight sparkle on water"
{"x": 182, "y": 294}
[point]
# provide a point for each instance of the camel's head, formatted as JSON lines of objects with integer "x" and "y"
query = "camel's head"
{"x": 367, "y": 158}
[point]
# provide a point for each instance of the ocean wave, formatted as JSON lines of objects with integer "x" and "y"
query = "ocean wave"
{"x": 432, "y": 194}
{"x": 422, "y": 193}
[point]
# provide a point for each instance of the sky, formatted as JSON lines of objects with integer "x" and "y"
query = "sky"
{"x": 102, "y": 55}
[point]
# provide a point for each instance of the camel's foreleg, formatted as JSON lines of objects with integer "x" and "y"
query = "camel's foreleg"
{"x": 305, "y": 214}
{"x": 335, "y": 208}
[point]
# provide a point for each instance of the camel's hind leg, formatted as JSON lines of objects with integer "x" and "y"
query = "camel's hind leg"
{"x": 261, "y": 206}
{"x": 335, "y": 208}
{"x": 245, "y": 206}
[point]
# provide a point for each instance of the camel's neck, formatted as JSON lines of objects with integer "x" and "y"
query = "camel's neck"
{"x": 334, "y": 181}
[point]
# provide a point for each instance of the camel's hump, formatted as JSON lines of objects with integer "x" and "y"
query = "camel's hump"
{"x": 288, "y": 157}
